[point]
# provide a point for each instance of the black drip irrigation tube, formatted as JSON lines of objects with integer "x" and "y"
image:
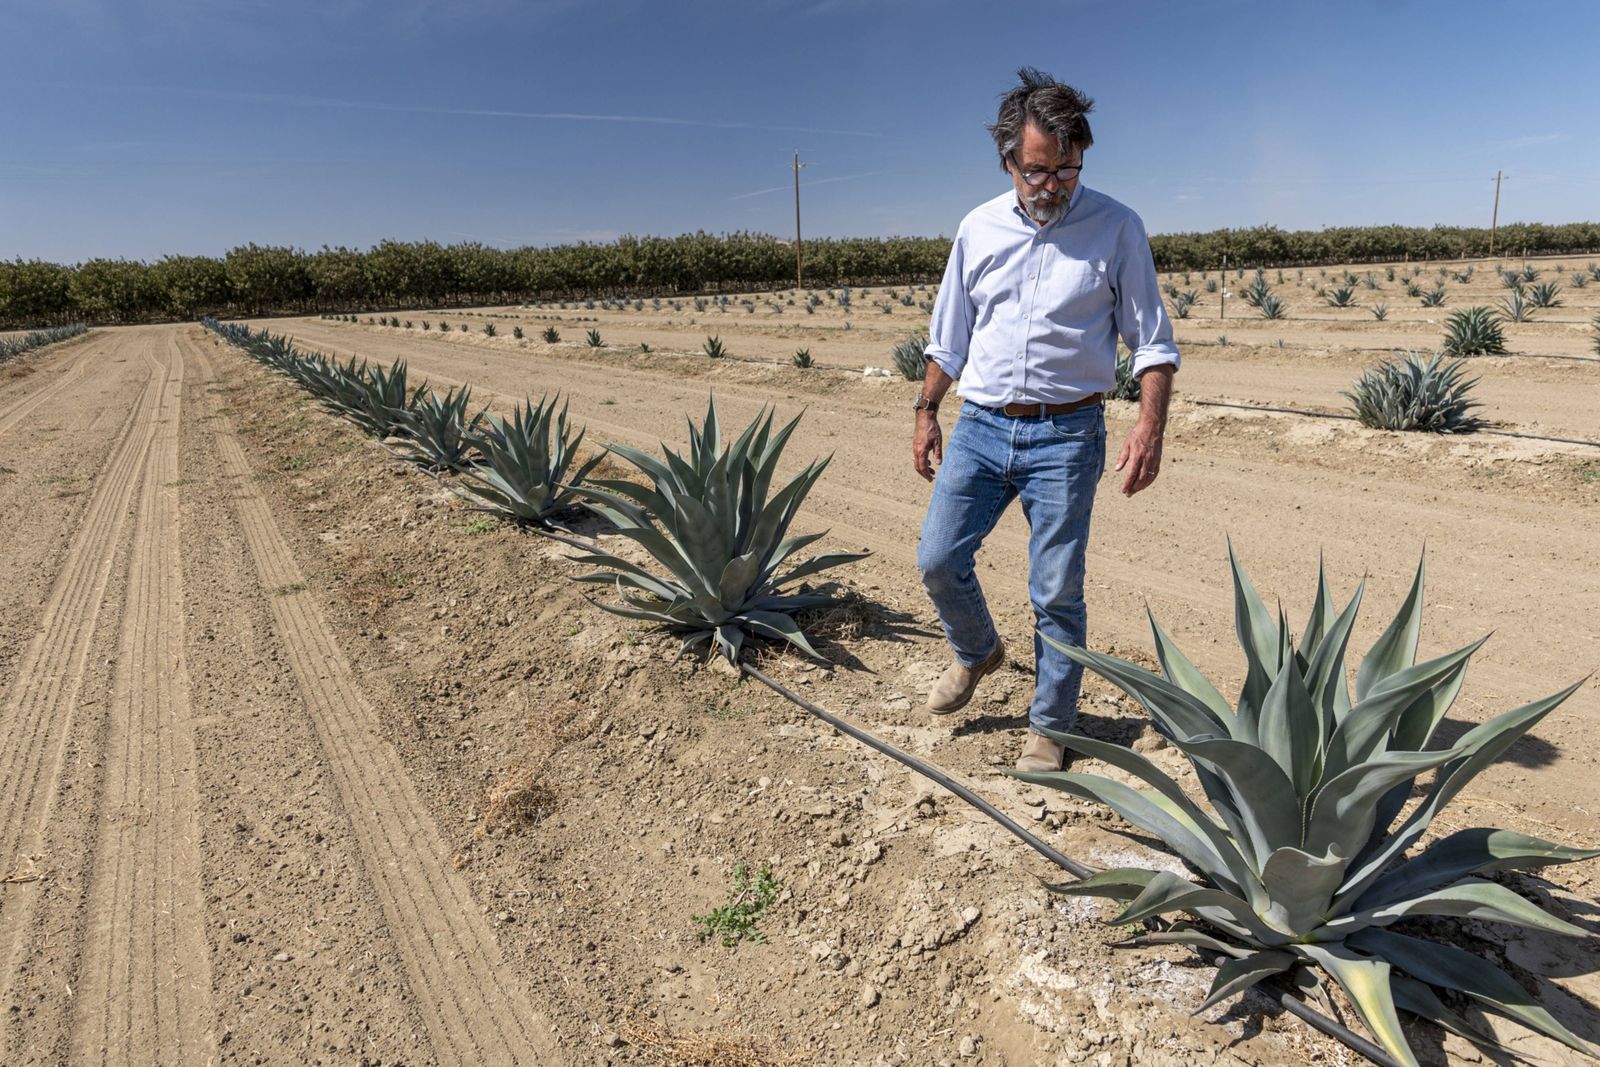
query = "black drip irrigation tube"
{"x": 1290, "y": 1003}
{"x": 1352, "y": 418}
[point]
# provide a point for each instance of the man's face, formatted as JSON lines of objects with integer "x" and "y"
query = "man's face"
{"x": 1039, "y": 151}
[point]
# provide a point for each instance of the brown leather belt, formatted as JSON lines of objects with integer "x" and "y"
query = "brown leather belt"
{"x": 1039, "y": 411}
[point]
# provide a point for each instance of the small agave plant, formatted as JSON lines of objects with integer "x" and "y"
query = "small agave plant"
{"x": 524, "y": 471}
{"x": 710, "y": 519}
{"x": 1302, "y": 857}
{"x": 438, "y": 434}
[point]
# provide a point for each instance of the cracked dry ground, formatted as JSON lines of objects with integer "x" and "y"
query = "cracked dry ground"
{"x": 301, "y": 764}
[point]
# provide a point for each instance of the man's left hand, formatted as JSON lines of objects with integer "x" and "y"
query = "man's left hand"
{"x": 1140, "y": 458}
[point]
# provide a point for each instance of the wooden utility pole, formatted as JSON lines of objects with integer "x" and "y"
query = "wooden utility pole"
{"x": 798, "y": 260}
{"x": 1494, "y": 219}
{"x": 1222, "y": 290}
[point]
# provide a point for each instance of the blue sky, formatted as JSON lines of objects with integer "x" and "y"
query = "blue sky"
{"x": 144, "y": 127}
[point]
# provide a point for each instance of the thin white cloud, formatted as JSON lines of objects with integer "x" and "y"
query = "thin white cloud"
{"x": 803, "y": 185}
{"x": 473, "y": 112}
{"x": 1531, "y": 140}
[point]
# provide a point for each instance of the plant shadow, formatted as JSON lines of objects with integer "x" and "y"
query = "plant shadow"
{"x": 1525, "y": 751}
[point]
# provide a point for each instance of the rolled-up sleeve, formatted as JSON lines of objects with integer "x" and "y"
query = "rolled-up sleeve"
{"x": 950, "y": 329}
{"x": 1141, "y": 315}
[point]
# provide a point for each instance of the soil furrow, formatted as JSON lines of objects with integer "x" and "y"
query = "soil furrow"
{"x": 18, "y": 410}
{"x": 473, "y": 1010}
{"x": 39, "y": 711}
{"x": 145, "y": 985}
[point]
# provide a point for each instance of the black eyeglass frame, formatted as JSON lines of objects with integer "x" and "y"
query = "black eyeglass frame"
{"x": 1036, "y": 178}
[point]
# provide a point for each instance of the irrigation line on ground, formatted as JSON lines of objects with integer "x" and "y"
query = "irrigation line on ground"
{"x": 1352, "y": 418}
{"x": 1290, "y": 1003}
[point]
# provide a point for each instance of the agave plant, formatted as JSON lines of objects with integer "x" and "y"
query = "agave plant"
{"x": 1545, "y": 295}
{"x": 1183, "y": 302}
{"x": 1410, "y": 393}
{"x": 593, "y": 339}
{"x": 1579, "y": 279}
{"x": 16, "y": 346}
{"x": 1517, "y": 307}
{"x": 910, "y": 357}
{"x": 1303, "y": 854}
{"x": 1595, "y": 324}
{"x": 1256, "y": 291}
{"x": 439, "y": 435}
{"x": 381, "y": 407}
{"x": 1380, "y": 311}
{"x": 802, "y": 358}
{"x": 551, "y": 335}
{"x": 523, "y": 472}
{"x": 1127, "y": 387}
{"x": 1273, "y": 308}
{"x": 1433, "y": 298}
{"x": 714, "y": 348}
{"x": 1511, "y": 279}
{"x": 489, "y": 329}
{"x": 709, "y": 519}
{"x": 1474, "y": 331}
{"x": 1343, "y": 296}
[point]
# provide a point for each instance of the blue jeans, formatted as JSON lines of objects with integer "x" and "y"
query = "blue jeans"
{"x": 1053, "y": 464}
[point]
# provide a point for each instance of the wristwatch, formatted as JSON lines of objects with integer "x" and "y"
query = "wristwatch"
{"x": 924, "y": 404}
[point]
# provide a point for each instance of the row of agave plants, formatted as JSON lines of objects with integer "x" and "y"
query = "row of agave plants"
{"x": 1306, "y": 857}
{"x": 16, "y": 346}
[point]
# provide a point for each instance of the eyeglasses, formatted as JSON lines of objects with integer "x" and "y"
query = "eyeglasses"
{"x": 1039, "y": 177}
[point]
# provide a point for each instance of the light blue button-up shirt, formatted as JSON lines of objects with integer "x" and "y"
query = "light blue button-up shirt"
{"x": 1031, "y": 314}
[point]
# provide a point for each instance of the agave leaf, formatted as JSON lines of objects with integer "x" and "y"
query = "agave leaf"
{"x": 1420, "y": 999}
{"x": 1177, "y": 714}
{"x": 1168, "y": 892}
{"x": 1416, "y": 724}
{"x": 1239, "y": 974}
{"x": 1325, "y": 675}
{"x": 1367, "y": 726}
{"x": 1476, "y": 851}
{"x": 643, "y": 579}
{"x": 1450, "y": 967}
{"x": 737, "y": 580}
{"x": 1366, "y": 982}
{"x": 1117, "y": 883}
{"x": 1472, "y": 898}
{"x": 1322, "y": 615}
{"x": 1262, "y": 793}
{"x": 1241, "y": 878}
{"x": 1476, "y": 749}
{"x": 1182, "y": 673}
{"x": 822, "y": 562}
{"x": 1262, "y": 643}
{"x": 783, "y": 627}
{"x": 1186, "y": 933}
{"x": 1300, "y": 887}
{"x": 1141, "y": 808}
{"x": 1290, "y": 729}
{"x": 1396, "y": 649}
{"x": 1344, "y": 811}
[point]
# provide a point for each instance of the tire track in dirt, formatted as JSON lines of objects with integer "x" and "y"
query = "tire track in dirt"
{"x": 39, "y": 710}
{"x": 145, "y": 979}
{"x": 473, "y": 1010}
{"x": 19, "y": 410}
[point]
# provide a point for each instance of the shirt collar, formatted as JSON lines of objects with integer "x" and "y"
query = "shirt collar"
{"x": 1016, "y": 208}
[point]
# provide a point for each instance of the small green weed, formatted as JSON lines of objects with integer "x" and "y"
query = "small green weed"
{"x": 293, "y": 587}
{"x": 748, "y": 901}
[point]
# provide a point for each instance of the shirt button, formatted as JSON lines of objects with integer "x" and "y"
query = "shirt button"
{"x": 1030, "y": 276}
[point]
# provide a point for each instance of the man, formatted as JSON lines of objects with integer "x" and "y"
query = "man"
{"x": 1041, "y": 282}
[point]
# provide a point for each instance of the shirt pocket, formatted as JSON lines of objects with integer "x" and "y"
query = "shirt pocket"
{"x": 1077, "y": 286}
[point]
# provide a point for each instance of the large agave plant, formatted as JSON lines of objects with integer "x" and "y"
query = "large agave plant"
{"x": 1302, "y": 855}
{"x": 523, "y": 473}
{"x": 1474, "y": 331}
{"x": 709, "y": 520}
{"x": 438, "y": 434}
{"x": 1410, "y": 393}
{"x": 1127, "y": 387}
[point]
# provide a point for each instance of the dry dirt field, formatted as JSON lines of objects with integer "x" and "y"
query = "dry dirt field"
{"x": 303, "y": 762}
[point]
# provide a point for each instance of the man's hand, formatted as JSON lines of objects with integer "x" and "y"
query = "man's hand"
{"x": 927, "y": 440}
{"x": 1140, "y": 458}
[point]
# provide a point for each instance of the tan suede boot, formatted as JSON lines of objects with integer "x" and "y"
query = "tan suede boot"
{"x": 1041, "y": 754}
{"x": 957, "y": 684}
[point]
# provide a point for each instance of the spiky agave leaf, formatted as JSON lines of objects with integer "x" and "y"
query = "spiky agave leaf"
{"x": 437, "y": 433}
{"x": 525, "y": 463}
{"x": 1409, "y": 393}
{"x": 910, "y": 357}
{"x": 1127, "y": 387}
{"x": 1300, "y": 863}
{"x": 709, "y": 518}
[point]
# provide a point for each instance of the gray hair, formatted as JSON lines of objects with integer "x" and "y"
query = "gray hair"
{"x": 1055, "y": 107}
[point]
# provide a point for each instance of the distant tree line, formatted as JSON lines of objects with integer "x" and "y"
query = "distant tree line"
{"x": 265, "y": 280}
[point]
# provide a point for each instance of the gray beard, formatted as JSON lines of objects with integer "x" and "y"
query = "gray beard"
{"x": 1045, "y": 213}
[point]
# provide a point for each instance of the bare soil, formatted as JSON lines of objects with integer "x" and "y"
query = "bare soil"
{"x": 311, "y": 764}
